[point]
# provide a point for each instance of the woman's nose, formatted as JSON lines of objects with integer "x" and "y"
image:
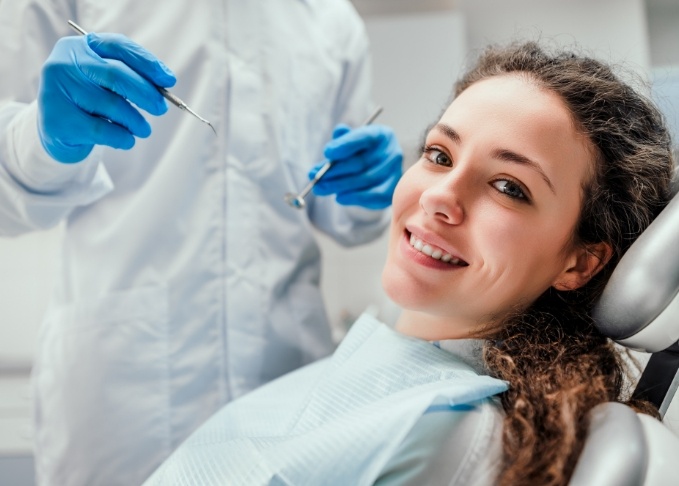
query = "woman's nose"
{"x": 444, "y": 200}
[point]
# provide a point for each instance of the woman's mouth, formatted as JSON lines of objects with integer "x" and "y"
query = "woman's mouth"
{"x": 434, "y": 252}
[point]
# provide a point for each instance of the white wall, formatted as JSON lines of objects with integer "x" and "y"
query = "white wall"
{"x": 663, "y": 28}
{"x": 614, "y": 29}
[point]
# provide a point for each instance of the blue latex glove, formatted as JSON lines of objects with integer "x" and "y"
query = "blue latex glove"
{"x": 88, "y": 84}
{"x": 367, "y": 165}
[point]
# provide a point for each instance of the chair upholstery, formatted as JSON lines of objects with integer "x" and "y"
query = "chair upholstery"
{"x": 639, "y": 309}
{"x": 616, "y": 452}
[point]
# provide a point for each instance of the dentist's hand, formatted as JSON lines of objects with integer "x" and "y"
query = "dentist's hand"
{"x": 367, "y": 164}
{"x": 87, "y": 89}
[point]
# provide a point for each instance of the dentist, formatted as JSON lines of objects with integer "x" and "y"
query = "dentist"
{"x": 185, "y": 280}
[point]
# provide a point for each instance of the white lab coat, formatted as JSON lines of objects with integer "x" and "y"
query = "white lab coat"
{"x": 185, "y": 280}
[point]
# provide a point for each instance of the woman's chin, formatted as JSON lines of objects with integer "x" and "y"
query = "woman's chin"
{"x": 402, "y": 292}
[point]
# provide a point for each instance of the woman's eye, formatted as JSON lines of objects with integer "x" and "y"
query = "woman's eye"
{"x": 437, "y": 157}
{"x": 510, "y": 189}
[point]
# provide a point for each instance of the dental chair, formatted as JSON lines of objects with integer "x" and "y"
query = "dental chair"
{"x": 639, "y": 309}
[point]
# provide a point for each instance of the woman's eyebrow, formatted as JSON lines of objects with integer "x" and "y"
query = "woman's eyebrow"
{"x": 448, "y": 131}
{"x": 509, "y": 156}
{"x": 501, "y": 154}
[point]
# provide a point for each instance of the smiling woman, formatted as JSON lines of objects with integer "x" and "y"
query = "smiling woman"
{"x": 483, "y": 193}
{"x": 593, "y": 169}
{"x": 539, "y": 175}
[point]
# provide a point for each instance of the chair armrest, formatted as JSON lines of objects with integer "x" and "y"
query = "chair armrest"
{"x": 663, "y": 446}
{"x": 615, "y": 452}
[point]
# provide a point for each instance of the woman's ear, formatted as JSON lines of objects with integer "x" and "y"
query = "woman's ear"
{"x": 582, "y": 265}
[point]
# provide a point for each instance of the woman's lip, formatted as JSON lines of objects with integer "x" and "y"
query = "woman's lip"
{"x": 420, "y": 258}
{"x": 433, "y": 239}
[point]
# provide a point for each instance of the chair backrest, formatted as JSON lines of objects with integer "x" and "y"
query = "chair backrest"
{"x": 640, "y": 305}
{"x": 639, "y": 309}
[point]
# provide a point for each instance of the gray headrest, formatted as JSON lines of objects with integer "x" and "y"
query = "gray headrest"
{"x": 639, "y": 307}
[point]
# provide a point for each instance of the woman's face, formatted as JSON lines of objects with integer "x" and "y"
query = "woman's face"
{"x": 484, "y": 221}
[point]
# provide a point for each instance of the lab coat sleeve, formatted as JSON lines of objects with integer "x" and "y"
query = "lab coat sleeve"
{"x": 351, "y": 225}
{"x": 36, "y": 192}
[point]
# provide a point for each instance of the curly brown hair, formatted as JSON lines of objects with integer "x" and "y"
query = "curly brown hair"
{"x": 557, "y": 363}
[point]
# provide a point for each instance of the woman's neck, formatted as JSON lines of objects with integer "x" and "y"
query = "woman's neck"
{"x": 433, "y": 328}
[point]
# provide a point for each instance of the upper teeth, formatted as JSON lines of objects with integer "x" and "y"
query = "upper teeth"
{"x": 435, "y": 253}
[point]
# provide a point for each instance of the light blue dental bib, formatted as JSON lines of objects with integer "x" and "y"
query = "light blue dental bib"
{"x": 335, "y": 422}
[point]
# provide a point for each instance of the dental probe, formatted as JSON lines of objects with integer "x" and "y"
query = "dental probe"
{"x": 297, "y": 200}
{"x": 166, "y": 94}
